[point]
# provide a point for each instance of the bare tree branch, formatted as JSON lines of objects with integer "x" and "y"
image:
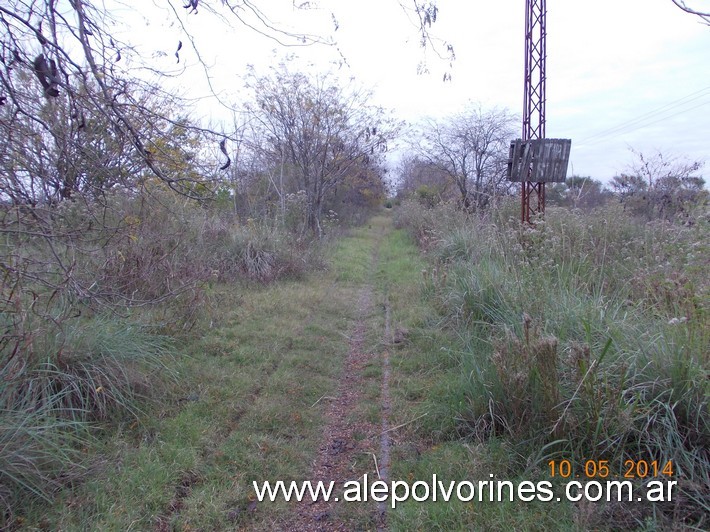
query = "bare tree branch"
{"x": 704, "y": 15}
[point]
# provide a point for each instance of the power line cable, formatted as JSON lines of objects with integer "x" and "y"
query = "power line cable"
{"x": 597, "y": 141}
{"x": 676, "y": 103}
{"x": 642, "y": 121}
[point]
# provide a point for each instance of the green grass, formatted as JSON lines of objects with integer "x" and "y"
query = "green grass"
{"x": 56, "y": 394}
{"x": 352, "y": 257}
{"x": 569, "y": 345}
{"x": 244, "y": 407}
{"x": 427, "y": 398}
{"x": 240, "y": 411}
{"x": 248, "y": 400}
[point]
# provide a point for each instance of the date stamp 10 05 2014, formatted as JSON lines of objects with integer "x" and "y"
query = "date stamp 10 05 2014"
{"x": 630, "y": 469}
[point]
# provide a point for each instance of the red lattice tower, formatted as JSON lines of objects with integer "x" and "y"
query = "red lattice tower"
{"x": 533, "y": 193}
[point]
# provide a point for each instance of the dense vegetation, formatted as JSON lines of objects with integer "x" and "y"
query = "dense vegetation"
{"x": 119, "y": 214}
{"x": 123, "y": 219}
{"x": 585, "y": 338}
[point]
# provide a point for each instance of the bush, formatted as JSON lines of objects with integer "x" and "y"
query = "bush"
{"x": 165, "y": 247}
{"x": 169, "y": 254}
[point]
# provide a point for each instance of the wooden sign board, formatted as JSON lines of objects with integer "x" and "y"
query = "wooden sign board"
{"x": 539, "y": 160}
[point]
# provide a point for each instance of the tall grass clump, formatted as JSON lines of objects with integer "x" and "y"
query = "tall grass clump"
{"x": 88, "y": 370}
{"x": 39, "y": 454}
{"x": 57, "y": 386}
{"x": 589, "y": 339}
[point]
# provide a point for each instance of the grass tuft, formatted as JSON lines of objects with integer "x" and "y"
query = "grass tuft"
{"x": 52, "y": 396}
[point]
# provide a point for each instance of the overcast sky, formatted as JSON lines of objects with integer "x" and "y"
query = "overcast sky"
{"x": 620, "y": 73}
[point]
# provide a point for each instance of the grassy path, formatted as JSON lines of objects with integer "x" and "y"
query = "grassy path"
{"x": 348, "y": 373}
{"x": 287, "y": 385}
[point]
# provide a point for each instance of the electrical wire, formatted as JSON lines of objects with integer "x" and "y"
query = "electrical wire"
{"x": 643, "y": 120}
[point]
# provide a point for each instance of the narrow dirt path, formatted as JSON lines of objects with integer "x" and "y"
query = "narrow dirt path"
{"x": 386, "y": 407}
{"x": 352, "y": 444}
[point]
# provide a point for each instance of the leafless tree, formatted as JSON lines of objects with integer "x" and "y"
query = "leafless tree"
{"x": 323, "y": 132}
{"x": 72, "y": 52}
{"x": 85, "y": 115}
{"x": 660, "y": 186}
{"x": 416, "y": 176}
{"x": 99, "y": 160}
{"x": 471, "y": 147}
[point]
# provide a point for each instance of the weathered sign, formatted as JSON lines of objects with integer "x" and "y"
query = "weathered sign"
{"x": 539, "y": 160}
